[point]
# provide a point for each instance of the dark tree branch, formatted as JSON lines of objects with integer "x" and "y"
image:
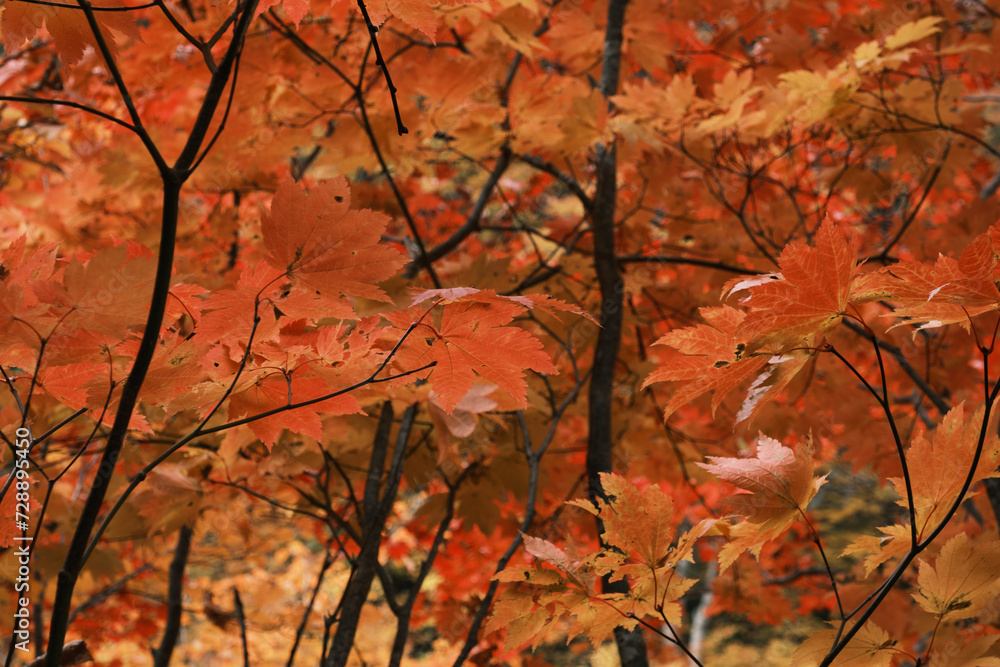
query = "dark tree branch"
{"x": 872, "y": 602}
{"x": 380, "y": 61}
{"x": 691, "y": 261}
{"x": 213, "y": 96}
{"x": 225, "y": 113}
{"x": 55, "y": 429}
{"x": 406, "y": 609}
{"x": 224, "y": 26}
{"x": 175, "y": 598}
{"x": 272, "y": 19}
{"x": 202, "y": 430}
{"x": 561, "y": 176}
{"x": 116, "y": 438}
{"x": 71, "y": 105}
{"x": 242, "y": 620}
{"x": 206, "y": 52}
{"x": 916, "y": 209}
{"x": 108, "y": 591}
{"x": 533, "y": 456}
{"x": 61, "y": 5}
{"x": 939, "y": 402}
{"x": 116, "y": 75}
{"x": 424, "y": 257}
{"x": 472, "y": 221}
{"x": 173, "y": 180}
{"x": 376, "y": 510}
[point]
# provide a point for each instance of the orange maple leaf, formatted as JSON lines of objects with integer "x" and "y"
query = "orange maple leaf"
{"x": 779, "y": 480}
{"x": 294, "y": 9}
{"x": 472, "y": 339}
{"x": 871, "y": 647}
{"x": 271, "y": 390}
{"x": 176, "y": 368}
{"x": 321, "y": 244}
{"x": 172, "y": 497}
{"x": 106, "y": 293}
{"x": 633, "y": 519}
{"x": 715, "y": 361}
{"x": 810, "y": 294}
{"x": 938, "y": 466}
{"x": 229, "y": 314}
{"x": 21, "y": 314}
{"x": 93, "y": 384}
{"x": 518, "y": 614}
{"x": 946, "y": 291}
{"x": 780, "y": 484}
{"x": 878, "y": 549}
{"x": 913, "y": 31}
{"x": 18, "y": 266}
{"x": 67, "y": 25}
{"x": 548, "y": 552}
{"x": 417, "y": 14}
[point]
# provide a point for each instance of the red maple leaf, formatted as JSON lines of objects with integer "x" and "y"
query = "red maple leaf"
{"x": 473, "y": 339}
{"x": 321, "y": 244}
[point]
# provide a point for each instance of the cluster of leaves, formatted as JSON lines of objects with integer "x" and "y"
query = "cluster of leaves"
{"x": 780, "y": 326}
{"x": 638, "y": 528}
{"x": 296, "y": 296}
{"x": 316, "y": 256}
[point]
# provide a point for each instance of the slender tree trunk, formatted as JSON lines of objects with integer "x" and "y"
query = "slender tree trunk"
{"x": 74, "y": 563}
{"x": 376, "y": 509}
{"x": 631, "y": 646}
{"x": 173, "y": 180}
{"x": 175, "y": 599}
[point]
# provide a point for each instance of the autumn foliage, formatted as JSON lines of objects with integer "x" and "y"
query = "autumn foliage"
{"x": 533, "y": 333}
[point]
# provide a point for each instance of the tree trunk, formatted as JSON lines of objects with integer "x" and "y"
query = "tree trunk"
{"x": 631, "y": 646}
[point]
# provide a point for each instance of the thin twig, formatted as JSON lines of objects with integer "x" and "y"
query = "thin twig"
{"x": 241, "y": 619}
{"x": 72, "y": 105}
{"x": 380, "y": 61}
{"x": 328, "y": 560}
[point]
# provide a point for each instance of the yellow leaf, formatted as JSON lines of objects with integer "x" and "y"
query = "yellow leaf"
{"x": 871, "y": 647}
{"x": 680, "y": 94}
{"x": 866, "y": 54}
{"x": 912, "y": 32}
{"x": 964, "y": 651}
{"x": 962, "y": 581}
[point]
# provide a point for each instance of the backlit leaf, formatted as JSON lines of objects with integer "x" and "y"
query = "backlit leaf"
{"x": 321, "y": 244}
{"x": 964, "y": 578}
